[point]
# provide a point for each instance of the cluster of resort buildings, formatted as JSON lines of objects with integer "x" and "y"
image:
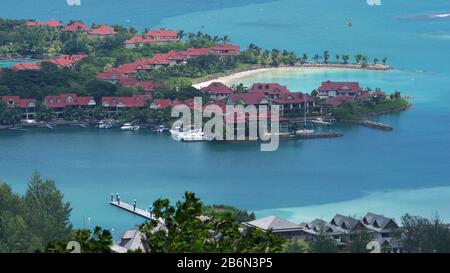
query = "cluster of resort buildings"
{"x": 341, "y": 229}
{"x": 258, "y": 94}
{"x": 99, "y": 31}
{"x": 331, "y": 94}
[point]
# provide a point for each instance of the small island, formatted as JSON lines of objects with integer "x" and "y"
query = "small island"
{"x": 75, "y": 74}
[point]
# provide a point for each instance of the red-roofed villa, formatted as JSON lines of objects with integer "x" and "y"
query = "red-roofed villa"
{"x": 335, "y": 89}
{"x": 27, "y": 106}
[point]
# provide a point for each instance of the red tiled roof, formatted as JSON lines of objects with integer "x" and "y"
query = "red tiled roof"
{"x": 268, "y": 88}
{"x": 162, "y": 33}
{"x": 247, "y": 98}
{"x": 351, "y": 87}
{"x": 66, "y": 99}
{"x": 217, "y": 88}
{"x": 67, "y": 60}
{"x": 336, "y": 101}
{"x": 130, "y": 82}
{"x": 225, "y": 50}
{"x": 84, "y": 101}
{"x": 159, "y": 59}
{"x": 50, "y": 23}
{"x": 221, "y": 47}
{"x": 148, "y": 85}
{"x": 175, "y": 55}
{"x": 75, "y": 26}
{"x": 103, "y": 30}
{"x": 16, "y": 101}
{"x": 139, "y": 39}
{"x": 162, "y": 103}
{"x": 195, "y": 52}
{"x": 110, "y": 76}
{"x": 127, "y": 102}
{"x": 295, "y": 97}
{"x": 26, "y": 66}
{"x": 54, "y": 23}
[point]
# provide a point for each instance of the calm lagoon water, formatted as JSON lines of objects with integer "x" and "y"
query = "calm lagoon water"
{"x": 405, "y": 170}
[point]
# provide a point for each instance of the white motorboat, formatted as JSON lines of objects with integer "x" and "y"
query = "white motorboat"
{"x": 161, "y": 129}
{"x": 105, "y": 124}
{"x": 129, "y": 127}
{"x": 304, "y": 132}
{"x": 320, "y": 121}
{"x": 192, "y": 135}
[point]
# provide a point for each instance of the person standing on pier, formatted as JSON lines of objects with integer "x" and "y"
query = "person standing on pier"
{"x": 134, "y": 205}
{"x": 112, "y": 197}
{"x": 118, "y": 200}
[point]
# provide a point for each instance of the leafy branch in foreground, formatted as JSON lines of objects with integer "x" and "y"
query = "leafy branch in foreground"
{"x": 187, "y": 229}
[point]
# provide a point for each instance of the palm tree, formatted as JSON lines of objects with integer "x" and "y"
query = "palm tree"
{"x": 384, "y": 60}
{"x": 345, "y": 58}
{"x": 317, "y": 57}
{"x": 181, "y": 34}
{"x": 225, "y": 39}
{"x": 326, "y": 56}
{"x": 375, "y": 60}
{"x": 338, "y": 57}
{"x": 305, "y": 57}
{"x": 358, "y": 58}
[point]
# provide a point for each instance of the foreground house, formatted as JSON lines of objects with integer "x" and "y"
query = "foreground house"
{"x": 59, "y": 103}
{"x": 277, "y": 226}
{"x": 26, "y": 106}
{"x": 330, "y": 89}
{"x": 381, "y": 228}
{"x": 131, "y": 240}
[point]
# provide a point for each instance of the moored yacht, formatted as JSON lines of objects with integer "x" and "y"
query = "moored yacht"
{"x": 192, "y": 135}
{"x": 129, "y": 127}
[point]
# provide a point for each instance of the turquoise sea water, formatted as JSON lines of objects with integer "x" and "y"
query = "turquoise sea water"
{"x": 405, "y": 170}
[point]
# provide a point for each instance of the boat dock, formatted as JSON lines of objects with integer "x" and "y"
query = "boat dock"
{"x": 371, "y": 124}
{"x": 312, "y": 136}
{"x": 130, "y": 208}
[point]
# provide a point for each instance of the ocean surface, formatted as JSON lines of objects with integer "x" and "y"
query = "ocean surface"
{"x": 390, "y": 173}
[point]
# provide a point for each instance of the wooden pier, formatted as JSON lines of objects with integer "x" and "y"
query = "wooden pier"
{"x": 370, "y": 124}
{"x": 125, "y": 206}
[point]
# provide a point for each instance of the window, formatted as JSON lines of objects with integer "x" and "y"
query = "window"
{"x": 385, "y": 235}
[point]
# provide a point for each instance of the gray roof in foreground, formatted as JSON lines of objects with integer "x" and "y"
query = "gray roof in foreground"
{"x": 273, "y": 223}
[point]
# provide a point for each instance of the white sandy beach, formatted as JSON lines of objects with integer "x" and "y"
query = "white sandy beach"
{"x": 234, "y": 78}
